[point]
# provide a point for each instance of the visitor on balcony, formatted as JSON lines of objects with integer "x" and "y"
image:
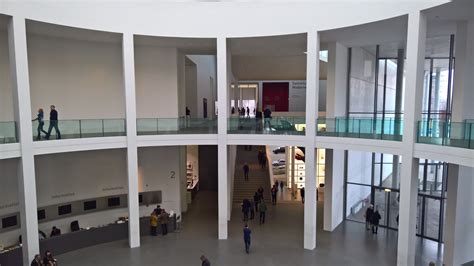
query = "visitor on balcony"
{"x": 53, "y": 123}
{"x": 40, "y": 119}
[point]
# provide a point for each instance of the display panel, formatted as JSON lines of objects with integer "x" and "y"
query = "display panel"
{"x": 65, "y": 209}
{"x": 90, "y": 205}
{"x": 112, "y": 202}
{"x": 9, "y": 221}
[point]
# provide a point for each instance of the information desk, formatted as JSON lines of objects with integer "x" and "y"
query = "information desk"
{"x": 84, "y": 238}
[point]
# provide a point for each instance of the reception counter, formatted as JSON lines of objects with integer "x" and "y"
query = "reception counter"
{"x": 84, "y": 238}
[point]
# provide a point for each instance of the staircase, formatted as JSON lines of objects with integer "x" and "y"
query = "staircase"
{"x": 257, "y": 176}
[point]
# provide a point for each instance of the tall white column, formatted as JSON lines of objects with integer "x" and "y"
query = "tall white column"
{"x": 416, "y": 39}
{"x": 335, "y": 107}
{"x": 221, "y": 136}
{"x": 463, "y": 93}
{"x": 312, "y": 92}
{"x": 459, "y": 230}
{"x": 22, "y": 102}
{"x": 132, "y": 152}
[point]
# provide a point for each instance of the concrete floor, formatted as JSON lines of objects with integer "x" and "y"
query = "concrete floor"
{"x": 278, "y": 242}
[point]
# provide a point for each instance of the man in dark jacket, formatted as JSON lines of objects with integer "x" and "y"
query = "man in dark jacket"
{"x": 53, "y": 123}
{"x": 247, "y": 233}
{"x": 368, "y": 217}
{"x": 246, "y": 209}
{"x": 246, "y": 171}
{"x": 375, "y": 221}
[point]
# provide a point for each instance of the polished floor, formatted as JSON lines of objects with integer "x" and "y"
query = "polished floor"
{"x": 278, "y": 242}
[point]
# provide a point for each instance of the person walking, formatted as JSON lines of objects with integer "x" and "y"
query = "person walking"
{"x": 281, "y": 186}
{"x": 246, "y": 171}
{"x": 260, "y": 157}
{"x": 49, "y": 260}
{"x": 264, "y": 161}
{"x": 274, "y": 195}
{"x": 262, "y": 209}
{"x": 188, "y": 117}
{"x": 368, "y": 217}
{"x": 375, "y": 221}
{"x": 256, "y": 200}
{"x": 40, "y": 119}
{"x": 247, "y": 236}
{"x": 53, "y": 123}
{"x": 153, "y": 223}
{"x": 302, "y": 194}
{"x": 252, "y": 209}
{"x": 248, "y": 112}
{"x": 267, "y": 116}
{"x": 245, "y": 209}
{"x": 277, "y": 184}
{"x": 205, "y": 261}
{"x": 164, "y": 219}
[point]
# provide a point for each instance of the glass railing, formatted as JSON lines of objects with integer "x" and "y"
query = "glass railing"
{"x": 8, "y": 132}
{"x": 167, "y": 126}
{"x": 454, "y": 134}
{"x": 276, "y": 125}
{"x": 364, "y": 128}
{"x": 84, "y": 128}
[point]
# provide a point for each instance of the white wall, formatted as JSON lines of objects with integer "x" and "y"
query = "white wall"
{"x": 156, "y": 76}
{"x": 6, "y": 97}
{"x": 9, "y": 186}
{"x": 191, "y": 88}
{"x": 206, "y": 69}
{"x": 75, "y": 176}
{"x": 82, "y": 78}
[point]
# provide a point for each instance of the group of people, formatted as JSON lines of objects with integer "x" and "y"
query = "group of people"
{"x": 372, "y": 219}
{"x": 53, "y": 123}
{"x": 274, "y": 190}
{"x": 262, "y": 159}
{"x": 159, "y": 216}
{"x": 47, "y": 260}
{"x": 243, "y": 111}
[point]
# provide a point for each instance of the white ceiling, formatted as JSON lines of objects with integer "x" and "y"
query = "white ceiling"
{"x": 59, "y": 31}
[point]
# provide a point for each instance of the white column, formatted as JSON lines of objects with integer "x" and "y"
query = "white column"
{"x": 463, "y": 93}
{"x": 132, "y": 153}
{"x": 22, "y": 102}
{"x": 222, "y": 135}
{"x": 312, "y": 91}
{"x": 459, "y": 230}
{"x": 335, "y": 107}
{"x": 416, "y": 39}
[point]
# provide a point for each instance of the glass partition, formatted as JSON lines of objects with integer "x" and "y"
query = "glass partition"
{"x": 84, "y": 128}
{"x": 8, "y": 132}
{"x": 182, "y": 125}
{"x": 454, "y": 134}
{"x": 366, "y": 128}
{"x": 294, "y": 125}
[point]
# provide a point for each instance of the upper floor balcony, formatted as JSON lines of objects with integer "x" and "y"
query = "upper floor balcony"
{"x": 8, "y": 132}
{"x": 447, "y": 133}
{"x": 362, "y": 128}
{"x": 80, "y": 128}
{"x": 182, "y": 125}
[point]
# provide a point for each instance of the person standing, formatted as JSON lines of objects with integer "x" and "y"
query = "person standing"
{"x": 262, "y": 210}
{"x": 247, "y": 236}
{"x": 248, "y": 112}
{"x": 48, "y": 259}
{"x": 188, "y": 116}
{"x": 256, "y": 199}
{"x": 245, "y": 209}
{"x": 252, "y": 210}
{"x": 264, "y": 161}
{"x": 375, "y": 221}
{"x": 164, "y": 217}
{"x": 246, "y": 171}
{"x": 205, "y": 261}
{"x": 153, "y": 223}
{"x": 267, "y": 116}
{"x": 53, "y": 123}
{"x": 40, "y": 119}
{"x": 281, "y": 186}
{"x": 302, "y": 194}
{"x": 55, "y": 232}
{"x": 37, "y": 261}
{"x": 274, "y": 195}
{"x": 368, "y": 217}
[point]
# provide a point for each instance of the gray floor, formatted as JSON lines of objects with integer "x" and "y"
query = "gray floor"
{"x": 278, "y": 242}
